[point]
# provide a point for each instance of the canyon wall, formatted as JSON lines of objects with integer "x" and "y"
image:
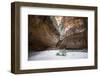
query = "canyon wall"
{"x": 43, "y": 33}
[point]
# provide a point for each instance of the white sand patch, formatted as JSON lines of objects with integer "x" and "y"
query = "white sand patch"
{"x": 51, "y": 55}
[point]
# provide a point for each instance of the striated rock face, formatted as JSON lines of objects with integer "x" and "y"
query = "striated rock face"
{"x": 41, "y": 33}
{"x": 75, "y": 41}
{"x": 56, "y": 32}
{"x": 76, "y": 33}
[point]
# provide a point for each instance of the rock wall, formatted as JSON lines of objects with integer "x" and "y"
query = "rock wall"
{"x": 43, "y": 33}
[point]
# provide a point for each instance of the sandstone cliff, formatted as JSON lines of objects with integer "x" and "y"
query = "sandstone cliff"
{"x": 43, "y": 33}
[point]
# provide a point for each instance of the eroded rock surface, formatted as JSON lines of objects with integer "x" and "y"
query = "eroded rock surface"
{"x": 57, "y": 32}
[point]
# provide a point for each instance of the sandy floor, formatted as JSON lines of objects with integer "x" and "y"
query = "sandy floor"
{"x": 52, "y": 55}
